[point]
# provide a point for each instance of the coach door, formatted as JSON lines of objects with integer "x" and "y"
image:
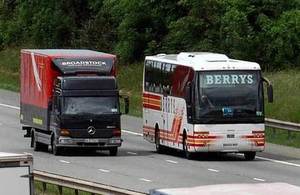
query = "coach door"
{"x": 167, "y": 71}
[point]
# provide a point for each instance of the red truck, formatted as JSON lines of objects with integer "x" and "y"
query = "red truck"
{"x": 69, "y": 99}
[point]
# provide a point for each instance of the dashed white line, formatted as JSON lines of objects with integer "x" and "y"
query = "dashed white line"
{"x": 172, "y": 161}
{"x": 63, "y": 161}
{"x": 104, "y": 170}
{"x": 145, "y": 180}
{"x": 9, "y": 106}
{"x": 27, "y": 153}
{"x": 132, "y": 153}
{"x": 278, "y": 161}
{"x": 258, "y": 179}
{"x": 132, "y": 133}
{"x": 213, "y": 170}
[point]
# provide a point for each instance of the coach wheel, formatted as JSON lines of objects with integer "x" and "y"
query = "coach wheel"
{"x": 249, "y": 155}
{"x": 157, "y": 142}
{"x": 187, "y": 154}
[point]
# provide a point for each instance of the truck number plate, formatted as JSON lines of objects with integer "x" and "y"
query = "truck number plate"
{"x": 230, "y": 135}
{"x": 230, "y": 145}
{"x": 91, "y": 140}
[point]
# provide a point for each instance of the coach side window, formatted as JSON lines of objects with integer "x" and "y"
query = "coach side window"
{"x": 157, "y": 77}
{"x": 148, "y": 75}
{"x": 153, "y": 76}
{"x": 166, "y": 78}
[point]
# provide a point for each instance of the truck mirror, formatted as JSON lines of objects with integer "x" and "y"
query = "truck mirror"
{"x": 270, "y": 93}
{"x": 126, "y": 101}
{"x": 57, "y": 113}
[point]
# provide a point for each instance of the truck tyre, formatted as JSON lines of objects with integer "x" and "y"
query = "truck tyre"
{"x": 249, "y": 155}
{"x": 55, "y": 150}
{"x": 37, "y": 146}
{"x": 113, "y": 151}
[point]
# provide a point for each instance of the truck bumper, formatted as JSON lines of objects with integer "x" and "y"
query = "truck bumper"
{"x": 89, "y": 142}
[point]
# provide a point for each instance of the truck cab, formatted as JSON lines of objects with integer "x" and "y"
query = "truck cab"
{"x": 85, "y": 113}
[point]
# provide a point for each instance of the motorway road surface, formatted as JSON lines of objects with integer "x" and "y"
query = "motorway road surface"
{"x": 138, "y": 167}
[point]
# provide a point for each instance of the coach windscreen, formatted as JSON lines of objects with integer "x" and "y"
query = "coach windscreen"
{"x": 228, "y": 97}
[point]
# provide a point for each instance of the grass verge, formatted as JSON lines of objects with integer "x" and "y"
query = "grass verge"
{"x": 130, "y": 82}
{"x": 286, "y": 105}
{"x": 281, "y": 137}
{"x": 9, "y": 69}
{"x": 53, "y": 190}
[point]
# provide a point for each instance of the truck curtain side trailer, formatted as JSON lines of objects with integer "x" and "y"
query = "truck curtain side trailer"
{"x": 69, "y": 98}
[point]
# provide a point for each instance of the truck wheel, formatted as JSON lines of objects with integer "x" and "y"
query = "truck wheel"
{"x": 37, "y": 146}
{"x": 249, "y": 155}
{"x": 113, "y": 151}
{"x": 55, "y": 150}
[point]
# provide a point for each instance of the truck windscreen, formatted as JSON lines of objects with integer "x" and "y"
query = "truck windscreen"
{"x": 90, "y": 105}
{"x": 228, "y": 97}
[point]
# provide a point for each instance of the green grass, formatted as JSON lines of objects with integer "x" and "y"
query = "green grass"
{"x": 286, "y": 104}
{"x": 130, "y": 82}
{"x": 10, "y": 59}
{"x": 281, "y": 137}
{"x": 53, "y": 190}
{"x": 9, "y": 69}
{"x": 9, "y": 80}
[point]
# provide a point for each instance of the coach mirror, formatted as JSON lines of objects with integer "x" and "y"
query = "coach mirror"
{"x": 269, "y": 90}
{"x": 126, "y": 100}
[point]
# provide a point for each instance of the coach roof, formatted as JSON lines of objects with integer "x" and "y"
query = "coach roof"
{"x": 205, "y": 61}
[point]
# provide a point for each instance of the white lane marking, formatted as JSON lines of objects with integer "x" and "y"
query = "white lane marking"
{"x": 63, "y": 161}
{"x": 172, "y": 161}
{"x": 279, "y": 161}
{"x": 9, "y": 106}
{"x": 0, "y": 124}
{"x": 132, "y": 153}
{"x": 133, "y": 133}
{"x": 258, "y": 179}
{"x": 27, "y": 153}
{"x": 213, "y": 170}
{"x": 104, "y": 170}
{"x": 145, "y": 180}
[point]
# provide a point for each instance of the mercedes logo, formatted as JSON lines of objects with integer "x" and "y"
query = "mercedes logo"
{"x": 91, "y": 130}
